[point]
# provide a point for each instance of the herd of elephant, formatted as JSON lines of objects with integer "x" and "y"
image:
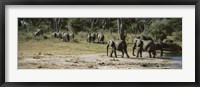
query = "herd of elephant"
{"x": 66, "y": 37}
{"x": 91, "y": 37}
{"x": 140, "y": 43}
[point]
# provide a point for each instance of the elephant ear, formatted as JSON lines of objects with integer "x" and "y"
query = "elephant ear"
{"x": 139, "y": 43}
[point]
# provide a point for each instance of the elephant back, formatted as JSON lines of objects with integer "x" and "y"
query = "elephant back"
{"x": 120, "y": 44}
{"x": 111, "y": 43}
{"x": 167, "y": 41}
{"x": 159, "y": 45}
{"x": 65, "y": 35}
{"x": 71, "y": 35}
{"x": 148, "y": 44}
{"x": 93, "y": 35}
{"x": 146, "y": 38}
{"x": 100, "y": 37}
{"x": 38, "y": 32}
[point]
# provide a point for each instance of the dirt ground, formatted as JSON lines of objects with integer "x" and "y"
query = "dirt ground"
{"x": 96, "y": 61}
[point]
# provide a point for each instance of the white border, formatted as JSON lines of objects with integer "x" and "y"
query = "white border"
{"x": 187, "y": 74}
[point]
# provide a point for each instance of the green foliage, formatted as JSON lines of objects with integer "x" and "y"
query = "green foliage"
{"x": 177, "y": 36}
{"x": 158, "y": 28}
{"x": 76, "y": 25}
{"x": 162, "y": 28}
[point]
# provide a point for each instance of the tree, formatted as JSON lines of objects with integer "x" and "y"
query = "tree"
{"x": 56, "y": 23}
{"x": 120, "y": 29}
{"x": 160, "y": 29}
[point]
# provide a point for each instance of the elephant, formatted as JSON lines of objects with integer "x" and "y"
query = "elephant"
{"x": 167, "y": 41}
{"x": 118, "y": 45}
{"x": 54, "y": 35}
{"x": 139, "y": 47}
{"x": 100, "y": 38}
{"x": 93, "y": 37}
{"x": 71, "y": 35}
{"x": 169, "y": 45}
{"x": 134, "y": 41}
{"x": 159, "y": 46}
{"x": 88, "y": 38}
{"x": 60, "y": 35}
{"x": 147, "y": 44}
{"x": 38, "y": 32}
{"x": 57, "y": 35}
{"x": 66, "y": 37}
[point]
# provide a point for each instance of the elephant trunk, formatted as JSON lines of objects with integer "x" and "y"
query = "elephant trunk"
{"x": 107, "y": 48}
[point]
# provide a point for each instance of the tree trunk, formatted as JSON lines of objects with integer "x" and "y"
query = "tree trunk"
{"x": 57, "y": 24}
{"x": 103, "y": 24}
{"x": 120, "y": 29}
{"x": 92, "y": 24}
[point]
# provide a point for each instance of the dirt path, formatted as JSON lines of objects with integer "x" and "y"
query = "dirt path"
{"x": 96, "y": 61}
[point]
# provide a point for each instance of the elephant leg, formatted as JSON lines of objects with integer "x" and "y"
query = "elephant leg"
{"x": 125, "y": 51}
{"x": 137, "y": 54}
{"x": 154, "y": 53}
{"x": 161, "y": 52}
{"x": 122, "y": 54}
{"x": 115, "y": 53}
{"x": 114, "y": 50}
{"x": 150, "y": 54}
{"x": 111, "y": 53}
{"x": 140, "y": 53}
{"x": 133, "y": 51}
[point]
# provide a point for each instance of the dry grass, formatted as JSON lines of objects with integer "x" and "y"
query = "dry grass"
{"x": 29, "y": 46}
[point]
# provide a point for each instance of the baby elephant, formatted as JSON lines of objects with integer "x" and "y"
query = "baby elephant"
{"x": 100, "y": 38}
{"x": 38, "y": 32}
{"x": 71, "y": 36}
{"x": 54, "y": 35}
{"x": 88, "y": 38}
{"x": 60, "y": 35}
{"x": 139, "y": 45}
{"x": 66, "y": 37}
{"x": 93, "y": 37}
{"x": 118, "y": 45}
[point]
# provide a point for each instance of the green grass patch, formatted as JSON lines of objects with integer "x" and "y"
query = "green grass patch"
{"x": 54, "y": 46}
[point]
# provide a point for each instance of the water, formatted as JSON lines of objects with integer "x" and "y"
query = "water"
{"x": 173, "y": 56}
{"x": 176, "y": 58}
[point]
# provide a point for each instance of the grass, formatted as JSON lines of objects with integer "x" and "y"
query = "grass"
{"x": 29, "y": 46}
{"x": 56, "y": 46}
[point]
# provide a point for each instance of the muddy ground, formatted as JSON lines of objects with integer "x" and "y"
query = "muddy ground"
{"x": 96, "y": 61}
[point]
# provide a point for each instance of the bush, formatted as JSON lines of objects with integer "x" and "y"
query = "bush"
{"x": 178, "y": 36}
{"x": 82, "y": 34}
